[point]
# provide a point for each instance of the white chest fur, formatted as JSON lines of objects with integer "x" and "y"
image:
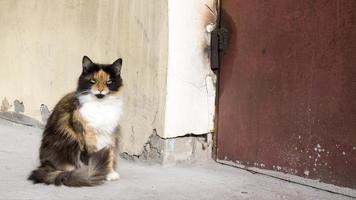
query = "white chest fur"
{"x": 102, "y": 115}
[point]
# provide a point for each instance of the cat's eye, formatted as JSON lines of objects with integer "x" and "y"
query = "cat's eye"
{"x": 93, "y": 81}
{"x": 109, "y": 82}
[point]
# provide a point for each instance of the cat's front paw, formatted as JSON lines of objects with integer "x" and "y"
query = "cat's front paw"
{"x": 112, "y": 176}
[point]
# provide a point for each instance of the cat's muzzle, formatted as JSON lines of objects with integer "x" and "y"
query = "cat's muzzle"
{"x": 100, "y": 96}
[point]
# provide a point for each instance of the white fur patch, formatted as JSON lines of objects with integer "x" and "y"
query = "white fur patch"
{"x": 103, "y": 115}
{"x": 112, "y": 176}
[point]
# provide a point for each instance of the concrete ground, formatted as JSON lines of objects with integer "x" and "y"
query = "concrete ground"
{"x": 18, "y": 156}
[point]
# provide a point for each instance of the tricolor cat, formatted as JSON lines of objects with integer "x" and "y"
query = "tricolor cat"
{"x": 79, "y": 140}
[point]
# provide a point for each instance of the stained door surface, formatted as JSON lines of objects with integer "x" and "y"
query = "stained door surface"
{"x": 287, "y": 91}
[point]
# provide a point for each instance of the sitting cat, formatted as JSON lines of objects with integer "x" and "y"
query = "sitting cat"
{"x": 79, "y": 140}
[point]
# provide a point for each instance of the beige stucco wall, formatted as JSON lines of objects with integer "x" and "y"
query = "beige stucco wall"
{"x": 42, "y": 43}
{"x": 143, "y": 42}
{"x": 169, "y": 86}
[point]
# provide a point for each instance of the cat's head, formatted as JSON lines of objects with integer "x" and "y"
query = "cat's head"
{"x": 100, "y": 80}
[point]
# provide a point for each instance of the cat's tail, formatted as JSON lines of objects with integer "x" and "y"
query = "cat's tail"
{"x": 89, "y": 175}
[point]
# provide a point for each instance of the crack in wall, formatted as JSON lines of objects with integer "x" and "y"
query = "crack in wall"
{"x": 187, "y": 148}
{"x": 151, "y": 149}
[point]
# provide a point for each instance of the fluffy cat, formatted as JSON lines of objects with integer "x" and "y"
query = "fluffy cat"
{"x": 79, "y": 141}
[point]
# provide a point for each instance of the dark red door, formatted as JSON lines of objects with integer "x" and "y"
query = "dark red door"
{"x": 287, "y": 92}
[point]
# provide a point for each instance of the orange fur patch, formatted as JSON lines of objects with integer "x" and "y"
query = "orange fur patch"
{"x": 90, "y": 139}
{"x": 101, "y": 77}
{"x": 111, "y": 159}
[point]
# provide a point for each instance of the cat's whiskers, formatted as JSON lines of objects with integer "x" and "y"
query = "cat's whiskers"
{"x": 78, "y": 94}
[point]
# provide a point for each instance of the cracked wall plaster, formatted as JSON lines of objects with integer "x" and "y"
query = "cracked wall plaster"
{"x": 168, "y": 151}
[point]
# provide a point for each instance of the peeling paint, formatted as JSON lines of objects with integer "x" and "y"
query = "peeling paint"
{"x": 306, "y": 172}
{"x": 45, "y": 113}
{"x": 19, "y": 106}
{"x": 5, "y": 105}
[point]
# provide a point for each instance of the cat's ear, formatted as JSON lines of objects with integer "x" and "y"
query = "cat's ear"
{"x": 87, "y": 63}
{"x": 117, "y": 66}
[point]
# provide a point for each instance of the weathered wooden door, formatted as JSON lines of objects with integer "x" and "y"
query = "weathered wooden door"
{"x": 287, "y": 92}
